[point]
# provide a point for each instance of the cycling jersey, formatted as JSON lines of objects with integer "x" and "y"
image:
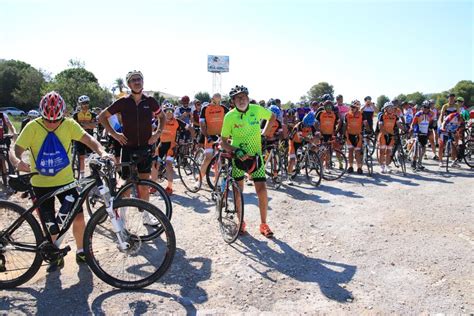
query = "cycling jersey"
{"x": 301, "y": 131}
{"x": 275, "y": 128}
{"x": 180, "y": 111}
{"x": 244, "y": 128}
{"x": 85, "y": 117}
{"x": 408, "y": 115}
{"x": 388, "y": 122}
{"x": 134, "y": 118}
{"x": 452, "y": 122}
{"x": 170, "y": 130}
{"x": 213, "y": 116}
{"x": 327, "y": 122}
{"x": 422, "y": 122}
{"x": 354, "y": 123}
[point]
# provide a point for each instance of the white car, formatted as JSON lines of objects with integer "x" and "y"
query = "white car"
{"x": 12, "y": 111}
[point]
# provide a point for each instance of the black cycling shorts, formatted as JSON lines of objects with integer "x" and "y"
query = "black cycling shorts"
{"x": 423, "y": 139}
{"x": 326, "y": 137}
{"x": 144, "y": 159}
{"x": 81, "y": 148}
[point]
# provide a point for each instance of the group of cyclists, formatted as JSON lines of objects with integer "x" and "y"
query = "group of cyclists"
{"x": 138, "y": 125}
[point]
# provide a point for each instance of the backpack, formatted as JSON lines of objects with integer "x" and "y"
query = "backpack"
{"x": 52, "y": 157}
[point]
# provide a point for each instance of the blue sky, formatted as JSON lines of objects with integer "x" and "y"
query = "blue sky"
{"x": 276, "y": 48}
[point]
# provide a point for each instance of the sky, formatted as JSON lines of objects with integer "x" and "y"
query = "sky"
{"x": 277, "y": 48}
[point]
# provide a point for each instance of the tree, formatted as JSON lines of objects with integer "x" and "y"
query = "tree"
{"x": 381, "y": 100}
{"x": 465, "y": 89}
{"x": 417, "y": 97}
{"x": 319, "y": 89}
{"x": 120, "y": 84}
{"x": 401, "y": 97}
{"x": 159, "y": 97}
{"x": 20, "y": 84}
{"x": 203, "y": 97}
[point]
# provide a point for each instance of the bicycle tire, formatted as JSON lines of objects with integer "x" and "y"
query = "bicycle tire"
{"x": 402, "y": 160}
{"x": 273, "y": 163}
{"x": 160, "y": 194}
{"x": 76, "y": 164}
{"x": 331, "y": 173}
{"x": 313, "y": 168}
{"x": 226, "y": 216}
{"x": 448, "y": 154}
{"x": 189, "y": 171}
{"x": 100, "y": 260}
{"x": 368, "y": 161}
{"x": 30, "y": 223}
{"x": 469, "y": 153}
{"x": 211, "y": 178}
{"x": 199, "y": 156}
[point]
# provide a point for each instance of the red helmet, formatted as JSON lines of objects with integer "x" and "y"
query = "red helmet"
{"x": 185, "y": 99}
{"x": 52, "y": 106}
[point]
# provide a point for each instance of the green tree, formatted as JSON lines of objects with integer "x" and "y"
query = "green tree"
{"x": 159, "y": 97}
{"x": 28, "y": 92}
{"x": 401, "y": 97}
{"x": 417, "y": 97}
{"x": 203, "y": 97}
{"x": 120, "y": 83}
{"x": 465, "y": 89}
{"x": 318, "y": 90}
{"x": 381, "y": 100}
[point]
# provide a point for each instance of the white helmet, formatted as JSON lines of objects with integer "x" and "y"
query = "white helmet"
{"x": 83, "y": 99}
{"x": 33, "y": 114}
{"x": 168, "y": 106}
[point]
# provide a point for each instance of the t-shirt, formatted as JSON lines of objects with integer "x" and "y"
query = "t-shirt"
{"x": 213, "y": 116}
{"x": 33, "y": 136}
{"x": 244, "y": 128}
{"x": 136, "y": 119}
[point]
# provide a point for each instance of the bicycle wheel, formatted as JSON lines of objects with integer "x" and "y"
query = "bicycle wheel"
{"x": 199, "y": 156}
{"x": 190, "y": 174}
{"x": 212, "y": 171}
{"x": 334, "y": 164}
{"x": 447, "y": 154}
{"x": 313, "y": 168}
{"x": 158, "y": 196}
{"x": 19, "y": 255}
{"x": 230, "y": 210}
{"x": 143, "y": 261}
{"x": 368, "y": 160}
{"x": 469, "y": 153}
{"x": 75, "y": 162}
{"x": 372, "y": 144}
{"x": 273, "y": 169}
{"x": 401, "y": 158}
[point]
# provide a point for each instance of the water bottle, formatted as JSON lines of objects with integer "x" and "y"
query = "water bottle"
{"x": 105, "y": 194}
{"x": 65, "y": 208}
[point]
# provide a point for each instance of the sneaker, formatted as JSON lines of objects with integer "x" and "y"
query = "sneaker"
{"x": 80, "y": 257}
{"x": 290, "y": 182}
{"x": 169, "y": 191}
{"x": 413, "y": 165}
{"x": 350, "y": 170}
{"x": 383, "y": 168}
{"x": 55, "y": 265}
{"x": 359, "y": 171}
{"x": 243, "y": 229}
{"x": 266, "y": 231}
{"x": 150, "y": 220}
{"x": 435, "y": 157}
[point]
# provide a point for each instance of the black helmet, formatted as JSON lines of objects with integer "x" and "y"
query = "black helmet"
{"x": 237, "y": 90}
{"x": 368, "y": 98}
{"x": 395, "y": 102}
{"x": 327, "y": 97}
{"x": 426, "y": 104}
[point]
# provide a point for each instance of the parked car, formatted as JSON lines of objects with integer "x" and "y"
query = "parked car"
{"x": 12, "y": 111}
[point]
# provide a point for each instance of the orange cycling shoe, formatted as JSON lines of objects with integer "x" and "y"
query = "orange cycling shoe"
{"x": 169, "y": 191}
{"x": 243, "y": 228}
{"x": 266, "y": 231}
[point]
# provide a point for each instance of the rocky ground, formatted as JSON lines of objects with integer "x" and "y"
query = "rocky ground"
{"x": 387, "y": 244}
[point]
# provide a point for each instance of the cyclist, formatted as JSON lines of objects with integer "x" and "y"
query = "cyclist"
{"x": 195, "y": 118}
{"x": 353, "y": 124}
{"x": 6, "y": 127}
{"x": 242, "y": 127}
{"x": 166, "y": 148}
{"x": 32, "y": 114}
{"x": 88, "y": 121}
{"x": 368, "y": 110}
{"x": 451, "y": 124}
{"x": 448, "y": 108}
{"x": 326, "y": 121}
{"x": 408, "y": 112}
{"x": 387, "y": 121}
{"x": 276, "y": 129}
{"x": 52, "y": 109}
{"x": 433, "y": 135}
{"x": 136, "y": 111}
{"x": 464, "y": 108}
{"x": 304, "y": 130}
{"x": 422, "y": 126}
{"x": 211, "y": 119}
{"x": 342, "y": 109}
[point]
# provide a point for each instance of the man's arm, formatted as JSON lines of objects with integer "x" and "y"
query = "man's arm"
{"x": 20, "y": 164}
{"x": 104, "y": 120}
{"x": 266, "y": 129}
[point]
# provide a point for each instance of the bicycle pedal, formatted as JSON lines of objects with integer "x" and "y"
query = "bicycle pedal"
{"x": 64, "y": 251}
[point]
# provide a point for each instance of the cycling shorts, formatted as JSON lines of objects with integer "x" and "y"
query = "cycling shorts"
{"x": 144, "y": 162}
{"x": 257, "y": 175}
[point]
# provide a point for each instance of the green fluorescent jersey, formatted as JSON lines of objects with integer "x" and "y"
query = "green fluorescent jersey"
{"x": 244, "y": 128}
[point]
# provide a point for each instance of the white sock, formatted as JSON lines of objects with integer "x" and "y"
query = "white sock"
{"x": 80, "y": 250}
{"x": 82, "y": 174}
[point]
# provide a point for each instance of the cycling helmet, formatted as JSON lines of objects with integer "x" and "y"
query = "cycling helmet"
{"x": 33, "y": 114}
{"x": 314, "y": 103}
{"x": 426, "y": 104}
{"x": 327, "y": 104}
{"x": 291, "y": 112}
{"x": 368, "y": 98}
{"x": 275, "y": 109}
{"x": 237, "y": 90}
{"x": 83, "y": 99}
{"x": 309, "y": 119}
{"x": 431, "y": 101}
{"x": 387, "y": 105}
{"x": 185, "y": 99}
{"x": 461, "y": 99}
{"x": 327, "y": 97}
{"x": 134, "y": 73}
{"x": 168, "y": 106}
{"x": 52, "y": 106}
{"x": 355, "y": 103}
{"x": 270, "y": 102}
{"x": 395, "y": 102}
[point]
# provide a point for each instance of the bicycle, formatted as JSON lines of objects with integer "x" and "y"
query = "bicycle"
{"x": 367, "y": 148}
{"x": 75, "y": 163}
{"x": 6, "y": 166}
{"x": 273, "y": 163}
{"x": 188, "y": 168}
{"x": 328, "y": 155}
{"x": 109, "y": 245}
{"x": 448, "y": 148}
{"x": 308, "y": 159}
{"x": 398, "y": 155}
{"x": 229, "y": 199}
{"x": 157, "y": 197}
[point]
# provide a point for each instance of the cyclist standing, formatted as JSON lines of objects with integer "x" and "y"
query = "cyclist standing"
{"x": 241, "y": 127}
{"x": 88, "y": 121}
{"x": 422, "y": 126}
{"x": 353, "y": 127}
{"x": 52, "y": 109}
{"x": 136, "y": 111}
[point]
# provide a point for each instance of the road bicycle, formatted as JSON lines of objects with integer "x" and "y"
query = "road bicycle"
{"x": 118, "y": 248}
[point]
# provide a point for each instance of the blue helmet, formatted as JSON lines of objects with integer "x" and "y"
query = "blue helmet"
{"x": 275, "y": 109}
{"x": 309, "y": 119}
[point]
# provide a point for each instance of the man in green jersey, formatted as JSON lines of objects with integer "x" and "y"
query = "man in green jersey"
{"x": 242, "y": 126}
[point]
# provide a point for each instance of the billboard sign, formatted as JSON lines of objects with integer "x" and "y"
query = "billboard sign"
{"x": 217, "y": 63}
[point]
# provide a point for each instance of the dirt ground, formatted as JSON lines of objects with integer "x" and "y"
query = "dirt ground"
{"x": 387, "y": 244}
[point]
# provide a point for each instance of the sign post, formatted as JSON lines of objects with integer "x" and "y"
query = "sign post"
{"x": 217, "y": 65}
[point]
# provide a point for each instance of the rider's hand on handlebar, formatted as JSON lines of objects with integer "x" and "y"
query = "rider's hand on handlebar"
{"x": 23, "y": 166}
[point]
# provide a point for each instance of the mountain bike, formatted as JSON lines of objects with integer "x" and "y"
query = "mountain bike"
{"x": 119, "y": 249}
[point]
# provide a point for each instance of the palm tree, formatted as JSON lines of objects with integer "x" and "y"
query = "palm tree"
{"x": 119, "y": 83}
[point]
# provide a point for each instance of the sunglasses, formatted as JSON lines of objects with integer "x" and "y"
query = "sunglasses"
{"x": 169, "y": 111}
{"x": 136, "y": 80}
{"x": 84, "y": 103}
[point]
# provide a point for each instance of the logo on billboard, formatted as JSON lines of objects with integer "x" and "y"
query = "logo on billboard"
{"x": 217, "y": 63}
